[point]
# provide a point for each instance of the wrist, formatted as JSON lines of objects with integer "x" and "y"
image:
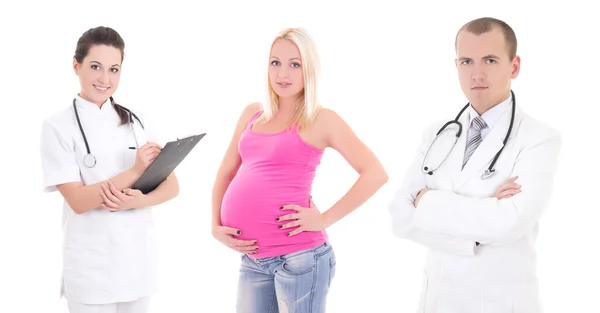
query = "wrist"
{"x": 328, "y": 219}
{"x": 136, "y": 172}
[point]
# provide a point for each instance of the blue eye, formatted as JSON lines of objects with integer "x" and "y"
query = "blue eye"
{"x": 296, "y": 65}
{"x": 275, "y": 63}
{"x": 491, "y": 61}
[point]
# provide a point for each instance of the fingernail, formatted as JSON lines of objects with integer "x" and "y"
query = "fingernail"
{"x": 277, "y": 219}
{"x": 281, "y": 208}
{"x": 280, "y": 226}
{"x": 288, "y": 234}
{"x": 239, "y": 232}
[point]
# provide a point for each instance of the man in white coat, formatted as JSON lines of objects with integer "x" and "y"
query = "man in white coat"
{"x": 480, "y": 232}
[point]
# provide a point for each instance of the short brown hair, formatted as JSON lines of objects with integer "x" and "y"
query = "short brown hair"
{"x": 485, "y": 24}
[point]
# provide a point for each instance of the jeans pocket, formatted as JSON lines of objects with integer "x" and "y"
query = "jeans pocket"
{"x": 299, "y": 264}
{"x": 332, "y": 264}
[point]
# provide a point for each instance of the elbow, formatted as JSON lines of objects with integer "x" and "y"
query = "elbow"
{"x": 378, "y": 176}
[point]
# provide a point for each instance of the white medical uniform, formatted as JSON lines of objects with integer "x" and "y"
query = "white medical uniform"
{"x": 460, "y": 209}
{"x": 107, "y": 257}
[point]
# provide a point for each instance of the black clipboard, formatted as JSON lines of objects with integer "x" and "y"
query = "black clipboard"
{"x": 166, "y": 162}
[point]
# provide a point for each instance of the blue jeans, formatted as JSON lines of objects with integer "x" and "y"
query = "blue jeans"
{"x": 294, "y": 283}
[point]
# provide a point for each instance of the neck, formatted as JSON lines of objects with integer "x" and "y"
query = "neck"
{"x": 481, "y": 108}
{"x": 85, "y": 97}
{"x": 287, "y": 104}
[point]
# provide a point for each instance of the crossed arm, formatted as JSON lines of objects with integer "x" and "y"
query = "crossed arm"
{"x": 450, "y": 222}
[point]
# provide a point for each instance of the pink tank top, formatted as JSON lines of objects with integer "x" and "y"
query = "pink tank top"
{"x": 277, "y": 169}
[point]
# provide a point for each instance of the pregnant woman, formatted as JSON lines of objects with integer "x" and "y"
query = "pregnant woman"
{"x": 262, "y": 204}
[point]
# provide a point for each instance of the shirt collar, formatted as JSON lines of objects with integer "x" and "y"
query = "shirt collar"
{"x": 492, "y": 115}
{"x": 87, "y": 105}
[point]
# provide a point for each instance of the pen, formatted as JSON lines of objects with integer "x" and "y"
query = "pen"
{"x": 132, "y": 148}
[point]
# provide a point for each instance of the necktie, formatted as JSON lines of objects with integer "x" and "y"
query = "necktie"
{"x": 474, "y": 137}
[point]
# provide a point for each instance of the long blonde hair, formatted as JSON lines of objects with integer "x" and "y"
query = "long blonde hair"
{"x": 307, "y": 104}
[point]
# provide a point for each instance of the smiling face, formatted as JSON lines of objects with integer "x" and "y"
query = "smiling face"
{"x": 485, "y": 69}
{"x": 285, "y": 69}
{"x": 99, "y": 73}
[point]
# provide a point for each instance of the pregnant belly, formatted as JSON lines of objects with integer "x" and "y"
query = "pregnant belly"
{"x": 254, "y": 208}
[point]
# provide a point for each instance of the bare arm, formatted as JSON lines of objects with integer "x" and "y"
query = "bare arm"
{"x": 341, "y": 138}
{"x": 166, "y": 191}
{"x": 230, "y": 164}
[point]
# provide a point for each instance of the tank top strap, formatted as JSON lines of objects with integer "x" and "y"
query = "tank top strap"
{"x": 253, "y": 118}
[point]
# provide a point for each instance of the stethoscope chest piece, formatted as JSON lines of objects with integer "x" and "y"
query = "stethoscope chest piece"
{"x": 89, "y": 160}
{"x": 487, "y": 174}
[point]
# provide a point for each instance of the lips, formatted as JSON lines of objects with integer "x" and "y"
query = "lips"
{"x": 101, "y": 89}
{"x": 284, "y": 84}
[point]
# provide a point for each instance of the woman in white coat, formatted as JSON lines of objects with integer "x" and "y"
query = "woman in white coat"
{"x": 480, "y": 231}
{"x": 92, "y": 152}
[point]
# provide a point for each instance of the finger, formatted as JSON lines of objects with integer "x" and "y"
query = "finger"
{"x": 287, "y": 217}
{"x": 294, "y": 207}
{"x": 509, "y": 186}
{"x": 232, "y": 242}
{"x": 290, "y": 225}
{"x": 512, "y": 179}
{"x": 508, "y": 193}
{"x": 107, "y": 201}
{"x": 119, "y": 194}
{"x": 112, "y": 196}
{"x": 247, "y": 249}
{"x": 232, "y": 231}
{"x": 295, "y": 232}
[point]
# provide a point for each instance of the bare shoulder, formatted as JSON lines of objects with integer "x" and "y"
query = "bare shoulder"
{"x": 328, "y": 118}
{"x": 248, "y": 112}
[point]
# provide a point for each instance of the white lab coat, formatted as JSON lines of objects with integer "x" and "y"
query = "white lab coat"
{"x": 107, "y": 257}
{"x": 499, "y": 275}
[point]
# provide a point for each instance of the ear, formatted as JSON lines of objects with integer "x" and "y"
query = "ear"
{"x": 516, "y": 67}
{"x": 75, "y": 67}
{"x": 456, "y": 63}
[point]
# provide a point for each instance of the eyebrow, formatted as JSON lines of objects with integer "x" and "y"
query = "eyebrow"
{"x": 298, "y": 59}
{"x": 101, "y": 63}
{"x": 489, "y": 56}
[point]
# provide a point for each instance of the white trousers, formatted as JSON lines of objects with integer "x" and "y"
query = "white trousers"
{"x": 138, "y": 306}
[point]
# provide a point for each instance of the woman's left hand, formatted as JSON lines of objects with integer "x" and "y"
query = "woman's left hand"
{"x": 116, "y": 200}
{"x": 305, "y": 219}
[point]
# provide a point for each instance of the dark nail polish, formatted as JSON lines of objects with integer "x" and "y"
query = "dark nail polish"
{"x": 239, "y": 232}
{"x": 277, "y": 219}
{"x": 288, "y": 234}
{"x": 280, "y": 226}
{"x": 281, "y": 208}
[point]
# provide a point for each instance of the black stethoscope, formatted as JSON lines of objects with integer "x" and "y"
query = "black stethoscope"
{"x": 89, "y": 160}
{"x": 490, "y": 170}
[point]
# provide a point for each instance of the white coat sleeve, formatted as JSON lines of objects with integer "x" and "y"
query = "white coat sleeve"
{"x": 59, "y": 165}
{"x": 402, "y": 211}
{"x": 489, "y": 220}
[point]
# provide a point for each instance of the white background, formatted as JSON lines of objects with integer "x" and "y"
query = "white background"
{"x": 388, "y": 72}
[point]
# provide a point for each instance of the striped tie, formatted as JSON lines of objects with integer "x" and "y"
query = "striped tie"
{"x": 474, "y": 137}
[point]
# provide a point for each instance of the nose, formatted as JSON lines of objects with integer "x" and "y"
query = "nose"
{"x": 103, "y": 78}
{"x": 478, "y": 72}
{"x": 282, "y": 72}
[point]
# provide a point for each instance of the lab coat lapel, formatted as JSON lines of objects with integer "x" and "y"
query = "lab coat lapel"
{"x": 485, "y": 153}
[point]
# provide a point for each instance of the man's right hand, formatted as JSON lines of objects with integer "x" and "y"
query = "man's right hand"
{"x": 508, "y": 189}
{"x": 226, "y": 235}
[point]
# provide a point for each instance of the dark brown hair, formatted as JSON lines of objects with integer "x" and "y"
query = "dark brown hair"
{"x": 102, "y": 35}
{"x": 485, "y": 24}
